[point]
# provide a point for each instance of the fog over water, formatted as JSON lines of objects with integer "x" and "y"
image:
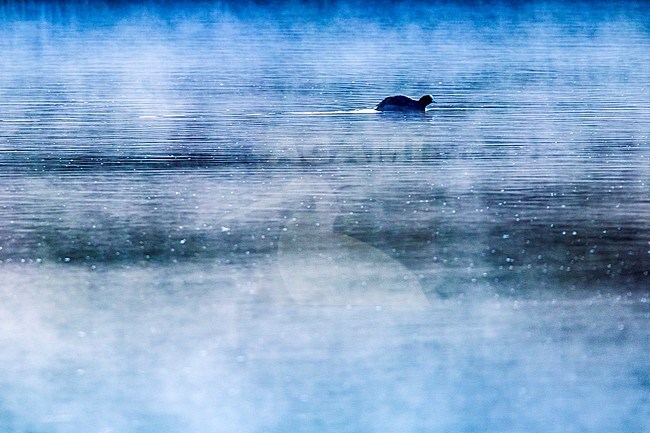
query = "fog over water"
{"x": 206, "y": 227}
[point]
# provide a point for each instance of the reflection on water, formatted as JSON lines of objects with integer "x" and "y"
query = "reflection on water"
{"x": 207, "y": 228}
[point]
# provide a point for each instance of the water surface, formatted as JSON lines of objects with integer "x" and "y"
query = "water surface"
{"x": 207, "y": 228}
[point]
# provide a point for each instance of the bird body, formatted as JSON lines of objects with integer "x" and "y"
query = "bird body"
{"x": 404, "y": 103}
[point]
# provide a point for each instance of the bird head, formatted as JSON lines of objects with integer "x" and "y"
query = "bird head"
{"x": 426, "y": 100}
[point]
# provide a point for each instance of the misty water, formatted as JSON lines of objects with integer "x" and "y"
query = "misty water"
{"x": 206, "y": 227}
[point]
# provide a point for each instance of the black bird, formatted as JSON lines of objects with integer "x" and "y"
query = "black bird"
{"x": 404, "y": 103}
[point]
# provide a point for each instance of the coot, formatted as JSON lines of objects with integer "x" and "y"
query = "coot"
{"x": 404, "y": 103}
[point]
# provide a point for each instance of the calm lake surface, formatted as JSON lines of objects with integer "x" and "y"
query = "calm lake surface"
{"x": 205, "y": 227}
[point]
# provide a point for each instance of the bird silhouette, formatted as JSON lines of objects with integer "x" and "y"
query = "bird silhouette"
{"x": 404, "y": 103}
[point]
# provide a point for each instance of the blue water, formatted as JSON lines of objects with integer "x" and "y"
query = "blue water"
{"x": 206, "y": 227}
